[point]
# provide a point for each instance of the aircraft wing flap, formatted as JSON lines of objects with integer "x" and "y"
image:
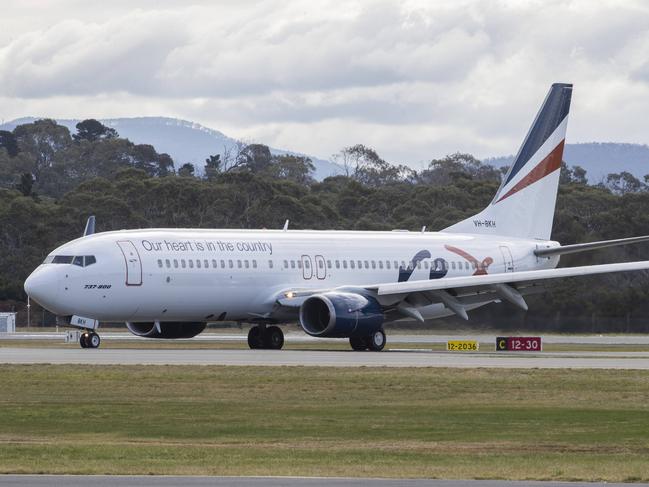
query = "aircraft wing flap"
{"x": 458, "y": 283}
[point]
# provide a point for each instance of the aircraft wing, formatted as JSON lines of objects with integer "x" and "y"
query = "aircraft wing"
{"x": 504, "y": 278}
{"x": 458, "y": 292}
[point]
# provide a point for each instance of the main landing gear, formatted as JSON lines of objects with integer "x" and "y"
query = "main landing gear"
{"x": 374, "y": 342}
{"x": 89, "y": 339}
{"x": 270, "y": 338}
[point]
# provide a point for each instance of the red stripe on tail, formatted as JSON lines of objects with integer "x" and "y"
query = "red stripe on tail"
{"x": 551, "y": 163}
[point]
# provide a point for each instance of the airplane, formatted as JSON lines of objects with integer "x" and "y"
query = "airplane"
{"x": 169, "y": 283}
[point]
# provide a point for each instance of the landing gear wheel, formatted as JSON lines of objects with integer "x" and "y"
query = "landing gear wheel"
{"x": 274, "y": 338}
{"x": 376, "y": 341}
{"x": 83, "y": 340}
{"x": 255, "y": 338}
{"x": 94, "y": 341}
{"x": 358, "y": 343}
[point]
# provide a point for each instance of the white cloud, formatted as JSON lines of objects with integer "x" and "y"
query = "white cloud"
{"x": 414, "y": 79}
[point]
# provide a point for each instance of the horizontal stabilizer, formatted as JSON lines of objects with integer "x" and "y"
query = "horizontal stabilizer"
{"x": 584, "y": 247}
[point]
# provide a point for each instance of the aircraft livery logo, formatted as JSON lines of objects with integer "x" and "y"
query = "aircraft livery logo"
{"x": 439, "y": 266}
{"x": 480, "y": 267}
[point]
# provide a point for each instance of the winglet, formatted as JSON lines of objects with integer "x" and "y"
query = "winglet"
{"x": 90, "y": 226}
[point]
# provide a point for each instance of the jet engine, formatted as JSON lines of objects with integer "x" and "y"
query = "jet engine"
{"x": 165, "y": 329}
{"x": 341, "y": 315}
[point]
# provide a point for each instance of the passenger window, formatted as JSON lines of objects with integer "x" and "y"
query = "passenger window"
{"x": 453, "y": 265}
{"x": 230, "y": 264}
{"x": 292, "y": 264}
{"x": 246, "y": 263}
{"x": 396, "y": 264}
{"x": 78, "y": 261}
{"x": 191, "y": 263}
{"x": 168, "y": 263}
{"x": 466, "y": 266}
{"x": 176, "y": 263}
{"x": 387, "y": 264}
{"x": 254, "y": 264}
{"x": 425, "y": 264}
{"x": 360, "y": 264}
{"x": 214, "y": 264}
{"x": 160, "y": 263}
{"x": 299, "y": 264}
{"x": 307, "y": 264}
{"x": 222, "y": 264}
{"x": 270, "y": 264}
{"x": 320, "y": 264}
{"x": 183, "y": 264}
{"x": 351, "y": 264}
{"x": 344, "y": 264}
{"x": 206, "y": 264}
{"x": 373, "y": 264}
{"x": 198, "y": 263}
{"x": 286, "y": 264}
{"x": 239, "y": 263}
{"x": 367, "y": 265}
{"x": 337, "y": 264}
{"x": 90, "y": 259}
{"x": 419, "y": 265}
{"x": 380, "y": 264}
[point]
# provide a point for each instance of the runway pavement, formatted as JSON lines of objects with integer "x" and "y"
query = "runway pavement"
{"x": 298, "y": 337}
{"x": 414, "y": 358}
{"x": 155, "y": 481}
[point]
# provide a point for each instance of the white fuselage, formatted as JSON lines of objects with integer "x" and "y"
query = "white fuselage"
{"x": 237, "y": 275}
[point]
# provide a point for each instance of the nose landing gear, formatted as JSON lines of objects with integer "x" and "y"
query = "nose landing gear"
{"x": 89, "y": 339}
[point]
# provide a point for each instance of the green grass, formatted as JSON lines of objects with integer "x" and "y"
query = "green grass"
{"x": 451, "y": 423}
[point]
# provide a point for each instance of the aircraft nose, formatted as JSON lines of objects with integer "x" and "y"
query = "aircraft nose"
{"x": 42, "y": 287}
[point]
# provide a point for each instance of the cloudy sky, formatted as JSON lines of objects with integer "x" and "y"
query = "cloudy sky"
{"x": 413, "y": 79}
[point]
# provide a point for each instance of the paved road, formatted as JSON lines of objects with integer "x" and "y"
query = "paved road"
{"x": 581, "y": 360}
{"x": 155, "y": 481}
{"x": 297, "y": 337}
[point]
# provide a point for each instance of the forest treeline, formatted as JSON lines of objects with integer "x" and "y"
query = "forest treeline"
{"x": 51, "y": 180}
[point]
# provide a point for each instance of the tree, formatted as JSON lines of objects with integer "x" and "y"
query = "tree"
{"x": 42, "y": 142}
{"x": 212, "y": 166}
{"x": 92, "y": 130}
{"x": 8, "y": 141}
{"x": 444, "y": 171}
{"x": 622, "y": 183}
{"x": 26, "y": 184}
{"x": 294, "y": 168}
{"x": 363, "y": 164}
{"x": 186, "y": 170}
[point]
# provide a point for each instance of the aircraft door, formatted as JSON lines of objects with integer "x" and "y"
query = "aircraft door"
{"x": 507, "y": 258}
{"x": 307, "y": 267}
{"x": 133, "y": 263}
{"x": 320, "y": 267}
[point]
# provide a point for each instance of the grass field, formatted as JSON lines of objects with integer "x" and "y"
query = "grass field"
{"x": 476, "y": 423}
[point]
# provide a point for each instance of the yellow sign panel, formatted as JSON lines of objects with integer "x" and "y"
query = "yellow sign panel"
{"x": 462, "y": 345}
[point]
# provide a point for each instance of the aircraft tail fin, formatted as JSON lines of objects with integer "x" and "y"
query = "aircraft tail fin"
{"x": 524, "y": 203}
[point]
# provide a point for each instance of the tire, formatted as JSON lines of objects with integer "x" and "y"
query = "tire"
{"x": 94, "y": 340}
{"x": 254, "y": 338}
{"x": 83, "y": 340}
{"x": 274, "y": 338}
{"x": 358, "y": 343}
{"x": 377, "y": 341}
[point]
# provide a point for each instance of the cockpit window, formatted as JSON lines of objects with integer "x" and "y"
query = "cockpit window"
{"x": 62, "y": 259}
{"x": 80, "y": 260}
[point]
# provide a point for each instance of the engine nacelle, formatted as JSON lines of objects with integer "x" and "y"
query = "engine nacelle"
{"x": 340, "y": 315}
{"x": 165, "y": 329}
